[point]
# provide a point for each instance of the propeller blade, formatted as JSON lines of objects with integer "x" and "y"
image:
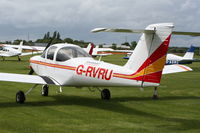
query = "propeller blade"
{"x": 50, "y": 42}
{"x": 31, "y": 71}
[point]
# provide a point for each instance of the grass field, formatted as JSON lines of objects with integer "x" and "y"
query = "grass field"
{"x": 79, "y": 110}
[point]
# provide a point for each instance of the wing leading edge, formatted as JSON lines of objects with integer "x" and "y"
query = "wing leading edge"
{"x": 34, "y": 79}
{"x": 175, "y": 69}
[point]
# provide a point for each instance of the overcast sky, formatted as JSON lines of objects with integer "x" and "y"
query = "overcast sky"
{"x": 75, "y": 18}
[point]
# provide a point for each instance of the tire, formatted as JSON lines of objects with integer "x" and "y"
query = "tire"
{"x": 105, "y": 94}
{"x": 45, "y": 90}
{"x": 20, "y": 97}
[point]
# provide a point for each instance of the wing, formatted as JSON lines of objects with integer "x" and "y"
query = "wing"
{"x": 142, "y": 31}
{"x": 121, "y": 30}
{"x": 31, "y": 53}
{"x": 4, "y": 55}
{"x": 27, "y": 47}
{"x": 34, "y": 79}
{"x": 175, "y": 69}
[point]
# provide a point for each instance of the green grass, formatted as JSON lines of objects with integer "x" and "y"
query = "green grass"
{"x": 79, "y": 110}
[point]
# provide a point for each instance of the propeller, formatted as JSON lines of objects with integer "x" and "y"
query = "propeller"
{"x": 49, "y": 44}
{"x": 31, "y": 71}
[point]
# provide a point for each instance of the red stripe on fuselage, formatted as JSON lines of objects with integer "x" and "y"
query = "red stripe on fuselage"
{"x": 53, "y": 65}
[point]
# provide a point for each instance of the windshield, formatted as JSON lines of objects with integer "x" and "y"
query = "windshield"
{"x": 67, "y": 53}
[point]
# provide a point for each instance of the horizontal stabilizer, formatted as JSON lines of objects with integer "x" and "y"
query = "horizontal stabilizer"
{"x": 121, "y": 30}
{"x": 175, "y": 69}
{"x": 33, "y": 79}
{"x": 186, "y": 33}
{"x": 142, "y": 31}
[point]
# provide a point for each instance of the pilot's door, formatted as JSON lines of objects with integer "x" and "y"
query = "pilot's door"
{"x": 49, "y": 66}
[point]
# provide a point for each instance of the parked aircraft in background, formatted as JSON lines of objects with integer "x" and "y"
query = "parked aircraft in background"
{"x": 33, "y": 48}
{"x": 188, "y": 58}
{"x": 7, "y": 51}
{"x": 175, "y": 59}
{"x": 96, "y": 51}
{"x": 70, "y": 65}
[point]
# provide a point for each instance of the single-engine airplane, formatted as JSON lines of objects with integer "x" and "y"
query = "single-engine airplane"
{"x": 172, "y": 58}
{"x": 96, "y": 51}
{"x": 70, "y": 65}
{"x": 8, "y": 51}
{"x": 188, "y": 58}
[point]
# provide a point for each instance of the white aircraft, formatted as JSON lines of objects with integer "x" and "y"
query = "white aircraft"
{"x": 96, "y": 51}
{"x": 70, "y": 65}
{"x": 172, "y": 58}
{"x": 186, "y": 59}
{"x": 33, "y": 48}
{"x": 7, "y": 51}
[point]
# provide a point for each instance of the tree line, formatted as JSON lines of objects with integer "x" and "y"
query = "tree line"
{"x": 57, "y": 39}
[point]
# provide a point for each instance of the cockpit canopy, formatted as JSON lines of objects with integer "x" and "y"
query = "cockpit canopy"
{"x": 2, "y": 48}
{"x": 64, "y": 53}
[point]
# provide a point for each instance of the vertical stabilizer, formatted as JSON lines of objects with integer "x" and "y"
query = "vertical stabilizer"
{"x": 20, "y": 47}
{"x": 190, "y": 53}
{"x": 90, "y": 48}
{"x": 149, "y": 56}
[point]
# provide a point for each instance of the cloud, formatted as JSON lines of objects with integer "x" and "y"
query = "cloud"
{"x": 75, "y": 18}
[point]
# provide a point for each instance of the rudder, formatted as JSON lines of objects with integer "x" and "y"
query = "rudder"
{"x": 149, "y": 56}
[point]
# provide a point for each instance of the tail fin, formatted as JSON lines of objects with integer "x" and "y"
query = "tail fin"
{"x": 148, "y": 58}
{"x": 20, "y": 47}
{"x": 90, "y": 48}
{"x": 190, "y": 53}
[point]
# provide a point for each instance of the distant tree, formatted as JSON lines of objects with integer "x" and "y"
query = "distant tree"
{"x": 17, "y": 41}
{"x": 126, "y": 44}
{"x": 8, "y": 42}
{"x": 54, "y": 34}
{"x": 101, "y": 46}
{"x": 45, "y": 36}
{"x": 48, "y": 35}
{"x": 114, "y": 46}
{"x": 58, "y": 36}
{"x": 133, "y": 44}
{"x": 68, "y": 40}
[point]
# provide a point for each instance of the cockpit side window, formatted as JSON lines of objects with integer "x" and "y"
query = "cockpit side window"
{"x": 67, "y": 53}
{"x": 1, "y": 48}
{"x": 81, "y": 53}
{"x": 64, "y": 54}
{"x": 50, "y": 52}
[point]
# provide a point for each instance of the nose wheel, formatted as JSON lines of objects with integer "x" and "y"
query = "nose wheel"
{"x": 45, "y": 90}
{"x": 105, "y": 94}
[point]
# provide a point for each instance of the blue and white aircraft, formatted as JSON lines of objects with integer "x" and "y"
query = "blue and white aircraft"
{"x": 188, "y": 58}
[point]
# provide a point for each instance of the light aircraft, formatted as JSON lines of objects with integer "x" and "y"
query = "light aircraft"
{"x": 172, "y": 58}
{"x": 186, "y": 59}
{"x": 33, "y": 48}
{"x": 70, "y": 65}
{"x": 8, "y": 51}
{"x": 96, "y": 51}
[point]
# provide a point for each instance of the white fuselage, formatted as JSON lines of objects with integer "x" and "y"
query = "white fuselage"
{"x": 8, "y": 52}
{"x": 85, "y": 71}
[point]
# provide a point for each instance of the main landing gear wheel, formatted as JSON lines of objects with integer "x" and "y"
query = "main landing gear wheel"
{"x": 19, "y": 59}
{"x": 20, "y": 97}
{"x": 105, "y": 94}
{"x": 155, "y": 94}
{"x": 45, "y": 90}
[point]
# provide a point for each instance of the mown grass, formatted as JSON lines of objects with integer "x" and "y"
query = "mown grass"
{"x": 79, "y": 110}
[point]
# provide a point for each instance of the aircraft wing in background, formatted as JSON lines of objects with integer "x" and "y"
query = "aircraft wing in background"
{"x": 168, "y": 69}
{"x": 36, "y": 48}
